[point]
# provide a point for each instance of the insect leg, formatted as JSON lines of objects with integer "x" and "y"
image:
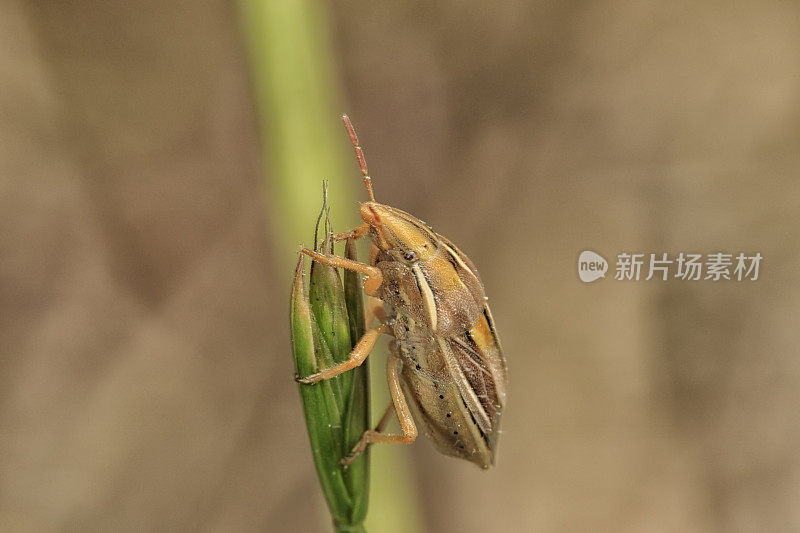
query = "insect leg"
{"x": 375, "y": 310}
{"x": 357, "y": 356}
{"x": 373, "y": 255}
{"x": 385, "y": 418}
{"x": 374, "y": 275}
{"x": 400, "y": 407}
{"x": 355, "y": 233}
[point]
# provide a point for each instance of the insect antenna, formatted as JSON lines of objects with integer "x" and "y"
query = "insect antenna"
{"x": 362, "y": 163}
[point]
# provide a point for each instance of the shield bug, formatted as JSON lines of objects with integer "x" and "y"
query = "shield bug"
{"x": 446, "y": 356}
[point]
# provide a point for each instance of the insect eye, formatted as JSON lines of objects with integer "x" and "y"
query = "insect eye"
{"x": 410, "y": 255}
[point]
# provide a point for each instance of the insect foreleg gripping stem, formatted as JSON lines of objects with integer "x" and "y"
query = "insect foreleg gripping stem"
{"x": 374, "y": 275}
{"x": 355, "y": 233}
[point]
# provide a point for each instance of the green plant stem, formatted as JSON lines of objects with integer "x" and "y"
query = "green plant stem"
{"x": 297, "y": 97}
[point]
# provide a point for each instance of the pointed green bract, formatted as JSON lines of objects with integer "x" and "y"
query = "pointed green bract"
{"x": 357, "y": 417}
{"x": 328, "y": 307}
{"x": 321, "y": 409}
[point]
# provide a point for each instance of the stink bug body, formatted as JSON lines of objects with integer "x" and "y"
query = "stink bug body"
{"x": 446, "y": 356}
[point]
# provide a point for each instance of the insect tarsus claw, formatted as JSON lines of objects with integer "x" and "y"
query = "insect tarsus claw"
{"x": 306, "y": 380}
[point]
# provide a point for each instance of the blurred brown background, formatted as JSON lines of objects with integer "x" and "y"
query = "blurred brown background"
{"x": 145, "y": 373}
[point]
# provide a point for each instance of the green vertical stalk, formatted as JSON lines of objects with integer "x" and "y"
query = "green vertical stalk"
{"x": 297, "y": 97}
{"x": 297, "y": 101}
